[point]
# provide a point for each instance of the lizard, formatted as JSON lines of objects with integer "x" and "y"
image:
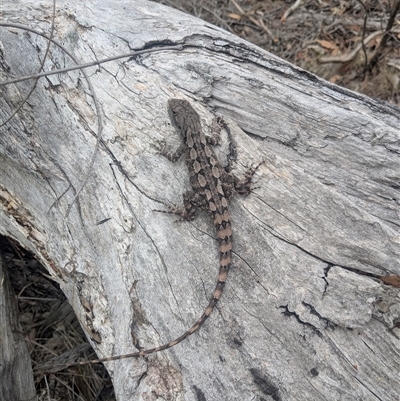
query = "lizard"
{"x": 212, "y": 187}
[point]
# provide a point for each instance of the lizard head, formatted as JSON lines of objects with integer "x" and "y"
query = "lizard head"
{"x": 182, "y": 115}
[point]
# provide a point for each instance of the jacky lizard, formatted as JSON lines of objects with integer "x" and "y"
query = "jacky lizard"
{"x": 212, "y": 186}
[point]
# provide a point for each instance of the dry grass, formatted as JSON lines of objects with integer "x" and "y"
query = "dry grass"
{"x": 51, "y": 328}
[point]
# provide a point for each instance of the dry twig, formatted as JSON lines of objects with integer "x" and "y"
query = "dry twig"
{"x": 344, "y": 58}
{"x": 290, "y": 10}
{"x": 385, "y": 37}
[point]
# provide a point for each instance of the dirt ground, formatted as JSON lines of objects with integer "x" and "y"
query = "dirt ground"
{"x": 354, "y": 43}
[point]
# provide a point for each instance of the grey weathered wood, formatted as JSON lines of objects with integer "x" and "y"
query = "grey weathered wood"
{"x": 298, "y": 320}
{"x": 16, "y": 376}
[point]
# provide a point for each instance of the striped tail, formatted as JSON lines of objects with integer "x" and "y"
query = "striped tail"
{"x": 224, "y": 234}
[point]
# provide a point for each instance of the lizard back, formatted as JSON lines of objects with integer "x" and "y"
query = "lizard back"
{"x": 206, "y": 178}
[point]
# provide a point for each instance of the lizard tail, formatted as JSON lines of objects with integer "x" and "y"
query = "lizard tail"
{"x": 225, "y": 247}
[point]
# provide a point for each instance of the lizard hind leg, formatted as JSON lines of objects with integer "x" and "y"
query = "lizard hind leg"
{"x": 243, "y": 186}
{"x": 191, "y": 202}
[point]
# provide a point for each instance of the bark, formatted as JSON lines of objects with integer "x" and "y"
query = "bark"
{"x": 16, "y": 376}
{"x": 304, "y": 315}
